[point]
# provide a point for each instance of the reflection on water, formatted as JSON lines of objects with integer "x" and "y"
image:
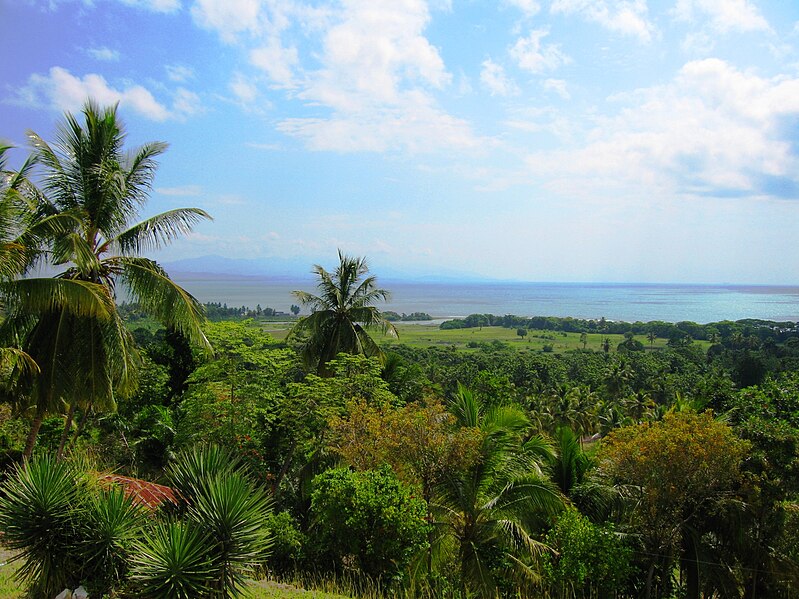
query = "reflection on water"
{"x": 699, "y": 303}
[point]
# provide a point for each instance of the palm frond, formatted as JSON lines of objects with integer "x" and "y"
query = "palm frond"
{"x": 40, "y": 295}
{"x": 18, "y": 360}
{"x": 161, "y": 297}
{"x": 157, "y": 231}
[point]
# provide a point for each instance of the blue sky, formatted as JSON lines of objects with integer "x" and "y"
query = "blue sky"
{"x": 562, "y": 140}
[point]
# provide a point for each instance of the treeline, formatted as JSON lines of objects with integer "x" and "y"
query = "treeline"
{"x": 714, "y": 331}
{"x": 412, "y": 317}
{"x": 214, "y": 311}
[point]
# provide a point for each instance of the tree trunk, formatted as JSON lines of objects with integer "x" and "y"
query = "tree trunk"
{"x": 649, "y": 575}
{"x": 691, "y": 567}
{"x": 35, "y": 426}
{"x": 81, "y": 424}
{"x": 65, "y": 433}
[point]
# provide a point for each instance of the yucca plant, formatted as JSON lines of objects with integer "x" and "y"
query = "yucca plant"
{"x": 172, "y": 562}
{"x": 41, "y": 504}
{"x": 221, "y": 501}
{"x": 193, "y": 467}
{"x": 233, "y": 513}
{"x": 110, "y": 526}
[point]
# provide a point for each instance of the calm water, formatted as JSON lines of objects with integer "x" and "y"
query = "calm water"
{"x": 699, "y": 303}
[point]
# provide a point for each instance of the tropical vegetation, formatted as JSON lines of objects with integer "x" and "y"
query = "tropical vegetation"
{"x": 641, "y": 460}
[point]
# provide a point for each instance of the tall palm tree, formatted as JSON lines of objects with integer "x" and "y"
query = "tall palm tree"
{"x": 341, "y": 314}
{"x": 21, "y": 239}
{"x": 90, "y": 181}
{"x": 492, "y": 508}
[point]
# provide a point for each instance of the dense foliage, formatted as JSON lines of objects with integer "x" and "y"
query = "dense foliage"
{"x": 630, "y": 469}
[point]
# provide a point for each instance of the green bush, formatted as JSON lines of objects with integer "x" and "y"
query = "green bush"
{"x": 590, "y": 560}
{"x": 287, "y": 543}
{"x": 367, "y": 517}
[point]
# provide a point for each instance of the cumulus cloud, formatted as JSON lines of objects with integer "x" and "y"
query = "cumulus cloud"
{"x": 495, "y": 80}
{"x": 228, "y": 17}
{"x": 724, "y": 16}
{"x": 61, "y": 90}
{"x": 377, "y": 75}
{"x": 277, "y": 61}
{"x": 534, "y": 56}
{"x": 529, "y": 7}
{"x": 628, "y": 17}
{"x": 104, "y": 54}
{"x": 714, "y": 130}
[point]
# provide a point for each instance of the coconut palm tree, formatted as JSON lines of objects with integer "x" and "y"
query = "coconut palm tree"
{"x": 341, "y": 314}
{"x": 21, "y": 239}
{"x": 492, "y": 508}
{"x": 90, "y": 182}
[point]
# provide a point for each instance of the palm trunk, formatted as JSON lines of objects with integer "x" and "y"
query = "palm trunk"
{"x": 649, "y": 575}
{"x": 81, "y": 424}
{"x": 67, "y": 428}
{"x": 34, "y": 432}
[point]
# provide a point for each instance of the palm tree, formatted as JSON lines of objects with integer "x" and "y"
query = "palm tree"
{"x": 492, "y": 508}
{"x": 89, "y": 181}
{"x": 21, "y": 239}
{"x": 651, "y": 336}
{"x": 341, "y": 314}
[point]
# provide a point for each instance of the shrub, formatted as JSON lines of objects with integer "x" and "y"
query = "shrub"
{"x": 287, "y": 542}
{"x": 369, "y": 517}
{"x": 591, "y": 560}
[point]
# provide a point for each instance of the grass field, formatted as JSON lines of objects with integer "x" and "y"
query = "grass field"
{"x": 9, "y": 589}
{"x": 422, "y": 335}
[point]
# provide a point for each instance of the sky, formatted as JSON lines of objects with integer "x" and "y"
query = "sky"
{"x": 535, "y": 140}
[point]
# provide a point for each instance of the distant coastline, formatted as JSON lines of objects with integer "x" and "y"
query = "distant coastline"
{"x": 616, "y": 301}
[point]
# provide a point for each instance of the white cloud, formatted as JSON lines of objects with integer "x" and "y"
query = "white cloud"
{"x": 724, "y": 16}
{"x": 415, "y": 127}
{"x": 179, "y": 72}
{"x": 60, "y": 90}
{"x": 378, "y": 75}
{"x": 558, "y": 86}
{"x": 628, "y": 17}
{"x": 228, "y": 17}
{"x": 162, "y": 6}
{"x": 528, "y": 7}
{"x": 533, "y": 56}
{"x": 243, "y": 89}
{"x": 714, "y": 130}
{"x": 494, "y": 78}
{"x": 184, "y": 190}
{"x": 276, "y": 61}
{"x": 104, "y": 54}
{"x": 185, "y": 104}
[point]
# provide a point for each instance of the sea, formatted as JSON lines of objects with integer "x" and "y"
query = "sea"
{"x": 443, "y": 300}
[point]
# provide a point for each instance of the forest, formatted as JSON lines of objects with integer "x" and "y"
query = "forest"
{"x": 330, "y": 459}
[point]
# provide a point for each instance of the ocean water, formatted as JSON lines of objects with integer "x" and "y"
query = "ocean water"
{"x": 644, "y": 302}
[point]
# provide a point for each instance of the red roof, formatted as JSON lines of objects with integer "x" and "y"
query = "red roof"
{"x": 143, "y": 492}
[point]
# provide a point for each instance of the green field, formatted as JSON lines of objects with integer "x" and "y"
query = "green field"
{"x": 423, "y": 335}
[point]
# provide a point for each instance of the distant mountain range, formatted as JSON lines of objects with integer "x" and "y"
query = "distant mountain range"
{"x": 299, "y": 269}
